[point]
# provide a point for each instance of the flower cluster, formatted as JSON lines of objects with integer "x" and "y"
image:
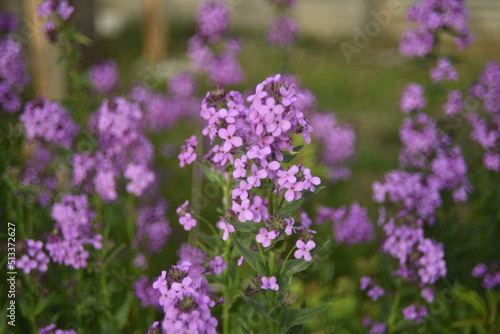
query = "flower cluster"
{"x": 48, "y": 122}
{"x": 144, "y": 291}
{"x": 152, "y": 227}
{"x": 188, "y": 152}
{"x": 338, "y": 142}
{"x": 486, "y": 125}
{"x": 104, "y": 76}
{"x": 162, "y": 111}
{"x": 350, "y": 225}
{"x": 39, "y": 175}
{"x": 74, "y": 223}
{"x": 420, "y": 259}
{"x": 13, "y": 76}
{"x": 124, "y": 150}
{"x": 54, "y": 11}
{"x": 282, "y": 31}
{"x": 373, "y": 290}
{"x": 431, "y": 17}
{"x": 186, "y": 218}
{"x": 376, "y": 327}
{"x": 185, "y": 301}
{"x": 489, "y": 274}
{"x": 35, "y": 259}
{"x": 213, "y": 22}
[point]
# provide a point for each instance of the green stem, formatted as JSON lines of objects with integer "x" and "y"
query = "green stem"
{"x": 394, "y": 307}
{"x": 284, "y": 263}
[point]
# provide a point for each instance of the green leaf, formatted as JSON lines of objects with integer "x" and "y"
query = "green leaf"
{"x": 245, "y": 227}
{"x": 295, "y": 205}
{"x": 122, "y": 314}
{"x": 294, "y": 317}
{"x": 259, "y": 307}
{"x": 209, "y": 239}
{"x": 253, "y": 258}
{"x": 44, "y": 303}
{"x": 298, "y": 148}
{"x": 467, "y": 322}
{"x": 210, "y": 174}
{"x": 472, "y": 298}
{"x": 288, "y": 157}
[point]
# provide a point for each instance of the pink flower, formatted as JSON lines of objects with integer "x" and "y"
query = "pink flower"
{"x": 184, "y": 286}
{"x": 304, "y": 250}
{"x": 229, "y": 137}
{"x": 227, "y": 228}
{"x": 244, "y": 214}
{"x": 264, "y": 237}
{"x": 269, "y": 283}
{"x": 217, "y": 265}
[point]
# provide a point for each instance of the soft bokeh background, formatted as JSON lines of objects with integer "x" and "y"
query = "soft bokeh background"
{"x": 148, "y": 40}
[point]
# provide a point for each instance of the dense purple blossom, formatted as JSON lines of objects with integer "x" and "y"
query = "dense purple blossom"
{"x": 338, "y": 143}
{"x": 35, "y": 258}
{"x": 8, "y": 23}
{"x": 487, "y": 88}
{"x": 444, "y": 70}
{"x": 419, "y": 258}
{"x": 49, "y": 122}
{"x": 490, "y": 275}
{"x": 282, "y": 31}
{"x": 144, "y": 291}
{"x": 415, "y": 313}
{"x": 140, "y": 178}
{"x": 351, "y": 225}
{"x": 182, "y": 86}
{"x": 432, "y": 16}
{"x": 153, "y": 228}
{"x": 104, "y": 76}
{"x": 74, "y": 223}
{"x": 213, "y": 19}
{"x": 13, "y": 75}
{"x": 454, "y": 104}
{"x": 412, "y": 98}
{"x": 185, "y": 301}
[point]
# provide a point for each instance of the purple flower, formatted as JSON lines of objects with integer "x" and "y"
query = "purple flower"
{"x": 35, "y": 259}
{"x": 217, "y": 265}
{"x": 185, "y": 217}
{"x": 364, "y": 282}
{"x": 227, "y": 228}
{"x": 412, "y": 98}
{"x": 444, "y": 71}
{"x": 351, "y": 226}
{"x": 427, "y": 294}
{"x": 48, "y": 121}
{"x": 213, "y": 19}
{"x": 104, "y": 76}
{"x": 375, "y": 292}
{"x": 454, "y": 104}
{"x": 269, "y": 283}
{"x": 140, "y": 178}
{"x": 230, "y": 139}
{"x": 304, "y": 249}
{"x": 265, "y": 237}
{"x": 152, "y": 227}
{"x": 282, "y": 31}
{"x": 417, "y": 42}
{"x": 182, "y": 86}
{"x": 13, "y": 75}
{"x": 145, "y": 292}
{"x": 415, "y": 313}
{"x": 188, "y": 152}
{"x": 65, "y": 10}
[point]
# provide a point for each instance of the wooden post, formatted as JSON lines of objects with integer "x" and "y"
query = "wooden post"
{"x": 154, "y": 35}
{"x": 47, "y": 78}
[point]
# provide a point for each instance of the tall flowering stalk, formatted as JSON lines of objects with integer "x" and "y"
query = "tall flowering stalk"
{"x": 251, "y": 160}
